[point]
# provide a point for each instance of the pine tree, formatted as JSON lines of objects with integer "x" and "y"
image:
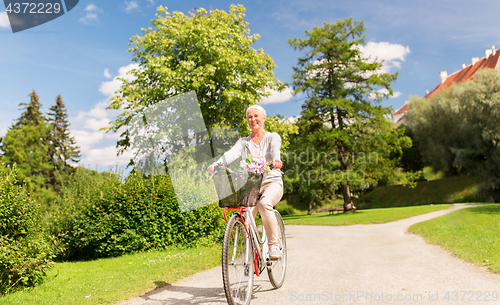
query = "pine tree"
{"x": 342, "y": 116}
{"x": 62, "y": 146}
{"x": 25, "y": 144}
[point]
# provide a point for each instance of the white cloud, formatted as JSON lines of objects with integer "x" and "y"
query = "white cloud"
{"x": 106, "y": 73}
{"x": 130, "y": 6}
{"x": 91, "y": 7}
{"x": 385, "y": 91}
{"x": 3, "y": 132}
{"x": 4, "y": 20}
{"x": 151, "y": 1}
{"x": 91, "y": 14}
{"x": 99, "y": 111}
{"x": 106, "y": 157}
{"x": 277, "y": 97}
{"x": 391, "y": 53}
{"x": 110, "y": 87}
{"x": 396, "y": 94}
{"x": 86, "y": 139}
{"x": 87, "y": 134}
{"x": 293, "y": 119}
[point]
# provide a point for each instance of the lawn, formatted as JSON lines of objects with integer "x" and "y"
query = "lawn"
{"x": 457, "y": 189}
{"x": 110, "y": 280}
{"x": 371, "y": 216}
{"x": 472, "y": 234}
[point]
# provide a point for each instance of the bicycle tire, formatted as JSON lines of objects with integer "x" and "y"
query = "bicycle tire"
{"x": 237, "y": 266}
{"x": 276, "y": 271}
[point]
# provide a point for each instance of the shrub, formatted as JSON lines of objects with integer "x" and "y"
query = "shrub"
{"x": 25, "y": 253}
{"x": 104, "y": 216}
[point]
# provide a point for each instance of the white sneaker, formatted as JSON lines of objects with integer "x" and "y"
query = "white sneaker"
{"x": 274, "y": 252}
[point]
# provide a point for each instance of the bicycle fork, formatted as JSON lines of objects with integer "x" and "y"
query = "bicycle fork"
{"x": 260, "y": 254}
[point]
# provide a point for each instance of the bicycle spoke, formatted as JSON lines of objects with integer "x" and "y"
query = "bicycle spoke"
{"x": 236, "y": 267}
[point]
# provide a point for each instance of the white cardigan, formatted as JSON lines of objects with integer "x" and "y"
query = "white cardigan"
{"x": 270, "y": 145}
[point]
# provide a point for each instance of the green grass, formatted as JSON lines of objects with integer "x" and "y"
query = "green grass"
{"x": 371, "y": 216}
{"x": 472, "y": 234}
{"x": 110, "y": 280}
{"x": 446, "y": 190}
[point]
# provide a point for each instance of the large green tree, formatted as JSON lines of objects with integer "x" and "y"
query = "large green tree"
{"x": 25, "y": 144}
{"x": 458, "y": 129}
{"x": 342, "y": 117}
{"x": 206, "y": 52}
{"x": 63, "y": 149}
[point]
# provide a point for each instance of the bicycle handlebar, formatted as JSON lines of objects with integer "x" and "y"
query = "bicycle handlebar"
{"x": 218, "y": 167}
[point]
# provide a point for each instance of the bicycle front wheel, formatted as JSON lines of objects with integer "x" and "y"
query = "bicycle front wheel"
{"x": 237, "y": 263}
{"x": 276, "y": 268}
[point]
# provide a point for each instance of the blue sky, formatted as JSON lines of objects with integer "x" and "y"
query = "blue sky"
{"x": 79, "y": 54}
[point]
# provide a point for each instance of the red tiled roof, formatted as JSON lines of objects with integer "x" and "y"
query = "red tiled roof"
{"x": 467, "y": 73}
{"x": 401, "y": 110}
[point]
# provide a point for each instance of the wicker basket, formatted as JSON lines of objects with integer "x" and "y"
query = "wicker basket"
{"x": 237, "y": 189}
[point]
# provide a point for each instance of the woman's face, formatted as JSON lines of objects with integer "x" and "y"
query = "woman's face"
{"x": 255, "y": 120}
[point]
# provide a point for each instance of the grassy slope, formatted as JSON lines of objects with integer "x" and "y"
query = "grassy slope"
{"x": 371, "y": 216}
{"x": 107, "y": 281}
{"x": 472, "y": 234}
{"x": 446, "y": 190}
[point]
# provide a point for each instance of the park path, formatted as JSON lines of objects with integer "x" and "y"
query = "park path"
{"x": 360, "y": 264}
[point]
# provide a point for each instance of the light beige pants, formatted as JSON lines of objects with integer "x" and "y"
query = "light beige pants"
{"x": 271, "y": 194}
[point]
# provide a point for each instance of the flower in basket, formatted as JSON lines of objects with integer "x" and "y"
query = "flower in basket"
{"x": 255, "y": 165}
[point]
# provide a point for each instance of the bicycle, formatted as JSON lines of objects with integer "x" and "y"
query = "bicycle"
{"x": 242, "y": 254}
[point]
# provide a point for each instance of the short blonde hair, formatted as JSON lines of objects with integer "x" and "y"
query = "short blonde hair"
{"x": 258, "y": 107}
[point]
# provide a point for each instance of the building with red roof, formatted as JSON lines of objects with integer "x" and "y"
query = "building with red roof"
{"x": 490, "y": 60}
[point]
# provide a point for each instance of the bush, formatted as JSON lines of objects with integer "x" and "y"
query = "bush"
{"x": 102, "y": 216}
{"x": 285, "y": 208}
{"x": 25, "y": 253}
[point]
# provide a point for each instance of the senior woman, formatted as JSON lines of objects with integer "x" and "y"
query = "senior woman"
{"x": 265, "y": 145}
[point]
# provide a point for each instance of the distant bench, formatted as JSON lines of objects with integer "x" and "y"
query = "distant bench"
{"x": 331, "y": 211}
{"x": 335, "y": 210}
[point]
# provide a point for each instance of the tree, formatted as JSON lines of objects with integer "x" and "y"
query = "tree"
{"x": 343, "y": 118}
{"x": 208, "y": 52}
{"x": 62, "y": 149}
{"x": 25, "y": 144}
{"x": 411, "y": 160}
{"x": 458, "y": 129}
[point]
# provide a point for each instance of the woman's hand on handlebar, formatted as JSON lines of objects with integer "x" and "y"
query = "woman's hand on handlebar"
{"x": 211, "y": 169}
{"x": 277, "y": 164}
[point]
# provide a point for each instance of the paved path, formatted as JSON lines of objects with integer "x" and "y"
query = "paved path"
{"x": 360, "y": 264}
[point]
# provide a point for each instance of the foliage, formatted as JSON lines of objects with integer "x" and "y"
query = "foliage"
{"x": 342, "y": 118}
{"x": 41, "y": 148}
{"x": 284, "y": 128}
{"x": 62, "y": 149}
{"x": 25, "y": 144}
{"x": 108, "y": 217}
{"x": 410, "y": 158}
{"x": 458, "y": 129}
{"x": 208, "y": 52}
{"x": 25, "y": 253}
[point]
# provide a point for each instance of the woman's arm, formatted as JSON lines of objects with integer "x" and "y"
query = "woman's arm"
{"x": 229, "y": 156}
{"x": 276, "y": 151}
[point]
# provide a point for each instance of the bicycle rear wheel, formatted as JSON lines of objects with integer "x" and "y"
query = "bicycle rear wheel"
{"x": 237, "y": 263}
{"x": 276, "y": 268}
